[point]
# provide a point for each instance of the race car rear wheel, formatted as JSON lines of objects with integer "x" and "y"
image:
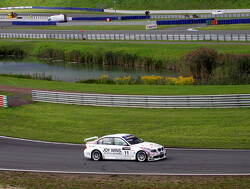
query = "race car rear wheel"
{"x": 96, "y": 155}
{"x": 141, "y": 156}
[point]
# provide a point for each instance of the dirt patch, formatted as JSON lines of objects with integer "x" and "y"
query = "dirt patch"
{"x": 22, "y": 97}
{"x": 19, "y": 100}
{"x": 15, "y": 90}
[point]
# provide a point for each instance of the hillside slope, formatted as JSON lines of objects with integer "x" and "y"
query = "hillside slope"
{"x": 135, "y": 4}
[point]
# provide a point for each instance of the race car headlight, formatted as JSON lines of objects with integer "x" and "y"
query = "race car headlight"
{"x": 153, "y": 151}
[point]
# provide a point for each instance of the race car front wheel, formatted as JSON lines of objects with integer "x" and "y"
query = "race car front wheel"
{"x": 141, "y": 156}
{"x": 96, "y": 155}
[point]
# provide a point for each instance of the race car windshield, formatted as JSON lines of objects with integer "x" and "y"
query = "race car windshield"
{"x": 133, "y": 139}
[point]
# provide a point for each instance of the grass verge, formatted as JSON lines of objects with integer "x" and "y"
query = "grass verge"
{"x": 138, "y": 4}
{"x": 6, "y": 93}
{"x": 227, "y": 27}
{"x": 188, "y": 128}
{"x": 155, "y": 51}
{"x": 48, "y": 180}
{"x": 127, "y": 89}
{"x": 51, "y": 11}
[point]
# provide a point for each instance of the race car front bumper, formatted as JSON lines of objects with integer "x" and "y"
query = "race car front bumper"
{"x": 157, "y": 156}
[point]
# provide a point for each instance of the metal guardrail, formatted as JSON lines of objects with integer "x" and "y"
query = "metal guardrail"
{"x": 132, "y": 37}
{"x": 27, "y": 18}
{"x": 141, "y": 101}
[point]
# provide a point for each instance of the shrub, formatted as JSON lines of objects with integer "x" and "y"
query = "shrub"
{"x": 200, "y": 62}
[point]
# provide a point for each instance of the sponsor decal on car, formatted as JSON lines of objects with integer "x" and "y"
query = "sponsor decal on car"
{"x": 112, "y": 151}
{"x": 127, "y": 137}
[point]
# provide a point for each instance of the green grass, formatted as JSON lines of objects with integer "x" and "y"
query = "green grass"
{"x": 155, "y": 51}
{"x": 6, "y": 93}
{"x": 61, "y": 181}
{"x": 138, "y": 4}
{"x": 227, "y": 27}
{"x": 188, "y": 128}
{"x": 97, "y": 27}
{"x": 127, "y": 89}
{"x": 54, "y": 11}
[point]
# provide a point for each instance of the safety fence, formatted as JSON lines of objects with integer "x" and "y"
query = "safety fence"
{"x": 183, "y": 21}
{"x": 201, "y": 16}
{"x": 142, "y": 101}
{"x": 3, "y": 101}
{"x": 10, "y": 8}
{"x": 132, "y": 37}
{"x": 29, "y": 17}
{"x": 35, "y": 23}
{"x": 112, "y": 18}
{"x": 95, "y": 18}
{"x": 138, "y": 17}
{"x": 234, "y": 21}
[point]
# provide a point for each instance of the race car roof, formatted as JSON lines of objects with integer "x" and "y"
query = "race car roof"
{"x": 117, "y": 135}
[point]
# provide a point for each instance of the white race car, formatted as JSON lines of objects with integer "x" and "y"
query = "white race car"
{"x": 123, "y": 147}
{"x": 217, "y": 12}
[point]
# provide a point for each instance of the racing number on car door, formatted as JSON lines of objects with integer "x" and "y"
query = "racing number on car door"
{"x": 126, "y": 152}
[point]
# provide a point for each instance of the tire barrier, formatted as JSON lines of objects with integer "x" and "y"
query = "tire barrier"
{"x": 131, "y": 37}
{"x": 228, "y": 21}
{"x": 143, "y": 101}
{"x": 35, "y": 23}
{"x": 201, "y": 16}
{"x": 70, "y": 8}
{"x": 94, "y": 18}
{"x": 234, "y": 21}
{"x": 134, "y": 17}
{"x": 183, "y": 21}
{"x": 3, "y": 101}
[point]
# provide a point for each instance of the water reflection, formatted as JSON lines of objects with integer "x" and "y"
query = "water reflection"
{"x": 65, "y": 71}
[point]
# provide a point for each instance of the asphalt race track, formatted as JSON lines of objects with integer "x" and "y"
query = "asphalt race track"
{"x": 172, "y": 31}
{"x": 18, "y": 154}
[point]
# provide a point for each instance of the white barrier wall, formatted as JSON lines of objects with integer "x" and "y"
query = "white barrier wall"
{"x": 176, "y": 11}
{"x": 201, "y": 37}
{"x": 142, "y": 101}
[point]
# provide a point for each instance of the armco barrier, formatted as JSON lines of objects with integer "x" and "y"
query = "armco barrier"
{"x": 134, "y": 17}
{"x": 3, "y": 101}
{"x": 136, "y": 37}
{"x": 141, "y": 101}
{"x": 34, "y": 23}
{"x": 183, "y": 21}
{"x": 70, "y": 8}
{"x": 94, "y": 18}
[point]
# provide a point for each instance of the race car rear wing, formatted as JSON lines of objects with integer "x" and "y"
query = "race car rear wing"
{"x": 91, "y": 138}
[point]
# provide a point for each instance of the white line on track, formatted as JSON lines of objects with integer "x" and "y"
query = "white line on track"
{"x": 70, "y": 144}
{"x": 43, "y": 142}
{"x": 114, "y": 173}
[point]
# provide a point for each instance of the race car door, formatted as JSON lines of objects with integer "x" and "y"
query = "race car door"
{"x": 105, "y": 146}
{"x": 123, "y": 149}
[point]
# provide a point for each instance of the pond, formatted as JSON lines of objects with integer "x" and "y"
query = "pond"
{"x": 70, "y": 72}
